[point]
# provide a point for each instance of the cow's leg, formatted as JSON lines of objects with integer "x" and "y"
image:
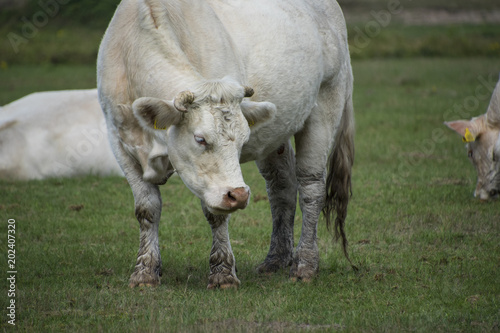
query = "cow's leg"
{"x": 278, "y": 169}
{"x": 147, "y": 269}
{"x": 147, "y": 198}
{"x": 313, "y": 144}
{"x": 222, "y": 262}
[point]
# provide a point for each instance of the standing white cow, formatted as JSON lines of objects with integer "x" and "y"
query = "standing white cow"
{"x": 174, "y": 82}
{"x": 482, "y": 135}
{"x": 54, "y": 134}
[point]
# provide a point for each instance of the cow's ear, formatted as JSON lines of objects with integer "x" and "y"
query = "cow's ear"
{"x": 459, "y": 126}
{"x": 155, "y": 113}
{"x": 469, "y": 130}
{"x": 258, "y": 112}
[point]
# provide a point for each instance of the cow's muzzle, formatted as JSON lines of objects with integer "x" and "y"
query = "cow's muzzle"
{"x": 236, "y": 198}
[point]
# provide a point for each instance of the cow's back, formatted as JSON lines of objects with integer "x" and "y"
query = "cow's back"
{"x": 289, "y": 49}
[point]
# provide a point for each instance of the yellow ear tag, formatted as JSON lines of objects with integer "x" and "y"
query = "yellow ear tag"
{"x": 468, "y": 137}
{"x": 164, "y": 128}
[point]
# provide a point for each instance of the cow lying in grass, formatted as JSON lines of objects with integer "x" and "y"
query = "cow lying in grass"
{"x": 482, "y": 135}
{"x": 54, "y": 134}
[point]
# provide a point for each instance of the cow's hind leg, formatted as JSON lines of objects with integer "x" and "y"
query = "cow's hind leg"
{"x": 313, "y": 145}
{"x": 147, "y": 269}
{"x": 278, "y": 169}
{"x": 222, "y": 262}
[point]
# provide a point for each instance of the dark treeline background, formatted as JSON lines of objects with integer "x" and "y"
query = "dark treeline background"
{"x": 91, "y": 13}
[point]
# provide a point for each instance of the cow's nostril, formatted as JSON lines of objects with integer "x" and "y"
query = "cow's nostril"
{"x": 231, "y": 197}
{"x": 237, "y": 198}
{"x": 493, "y": 193}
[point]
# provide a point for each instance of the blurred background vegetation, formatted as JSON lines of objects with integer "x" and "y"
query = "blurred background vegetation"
{"x": 69, "y": 31}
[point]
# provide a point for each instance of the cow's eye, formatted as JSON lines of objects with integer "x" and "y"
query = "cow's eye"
{"x": 200, "y": 140}
{"x": 470, "y": 153}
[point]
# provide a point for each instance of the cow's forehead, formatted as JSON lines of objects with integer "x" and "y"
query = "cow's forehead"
{"x": 219, "y": 119}
{"x": 221, "y": 91}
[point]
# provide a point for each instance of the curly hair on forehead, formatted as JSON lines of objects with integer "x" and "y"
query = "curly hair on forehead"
{"x": 223, "y": 91}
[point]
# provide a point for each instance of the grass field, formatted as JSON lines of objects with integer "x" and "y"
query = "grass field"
{"x": 428, "y": 252}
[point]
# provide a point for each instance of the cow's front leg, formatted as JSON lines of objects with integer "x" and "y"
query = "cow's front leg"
{"x": 147, "y": 269}
{"x": 278, "y": 169}
{"x": 222, "y": 263}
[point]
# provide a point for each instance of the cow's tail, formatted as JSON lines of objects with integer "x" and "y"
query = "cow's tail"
{"x": 338, "y": 181}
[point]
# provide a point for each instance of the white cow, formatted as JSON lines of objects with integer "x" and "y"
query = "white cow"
{"x": 482, "y": 135}
{"x": 54, "y": 134}
{"x": 200, "y": 86}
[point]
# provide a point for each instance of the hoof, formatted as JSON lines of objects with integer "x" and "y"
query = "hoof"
{"x": 229, "y": 286}
{"x": 302, "y": 273}
{"x": 268, "y": 268}
{"x": 140, "y": 279}
{"x": 223, "y": 282}
{"x": 273, "y": 264}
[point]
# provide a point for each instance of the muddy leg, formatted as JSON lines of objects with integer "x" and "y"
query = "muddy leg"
{"x": 278, "y": 169}
{"x": 147, "y": 269}
{"x": 222, "y": 262}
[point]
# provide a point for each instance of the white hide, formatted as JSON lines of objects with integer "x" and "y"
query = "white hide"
{"x": 55, "y": 134}
{"x": 284, "y": 50}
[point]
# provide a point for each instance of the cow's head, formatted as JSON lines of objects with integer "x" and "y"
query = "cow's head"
{"x": 204, "y": 131}
{"x": 482, "y": 135}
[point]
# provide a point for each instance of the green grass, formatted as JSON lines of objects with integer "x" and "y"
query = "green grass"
{"x": 403, "y": 41}
{"x": 428, "y": 252}
{"x": 18, "y": 81}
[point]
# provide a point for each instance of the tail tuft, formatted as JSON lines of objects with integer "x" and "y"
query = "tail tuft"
{"x": 338, "y": 181}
